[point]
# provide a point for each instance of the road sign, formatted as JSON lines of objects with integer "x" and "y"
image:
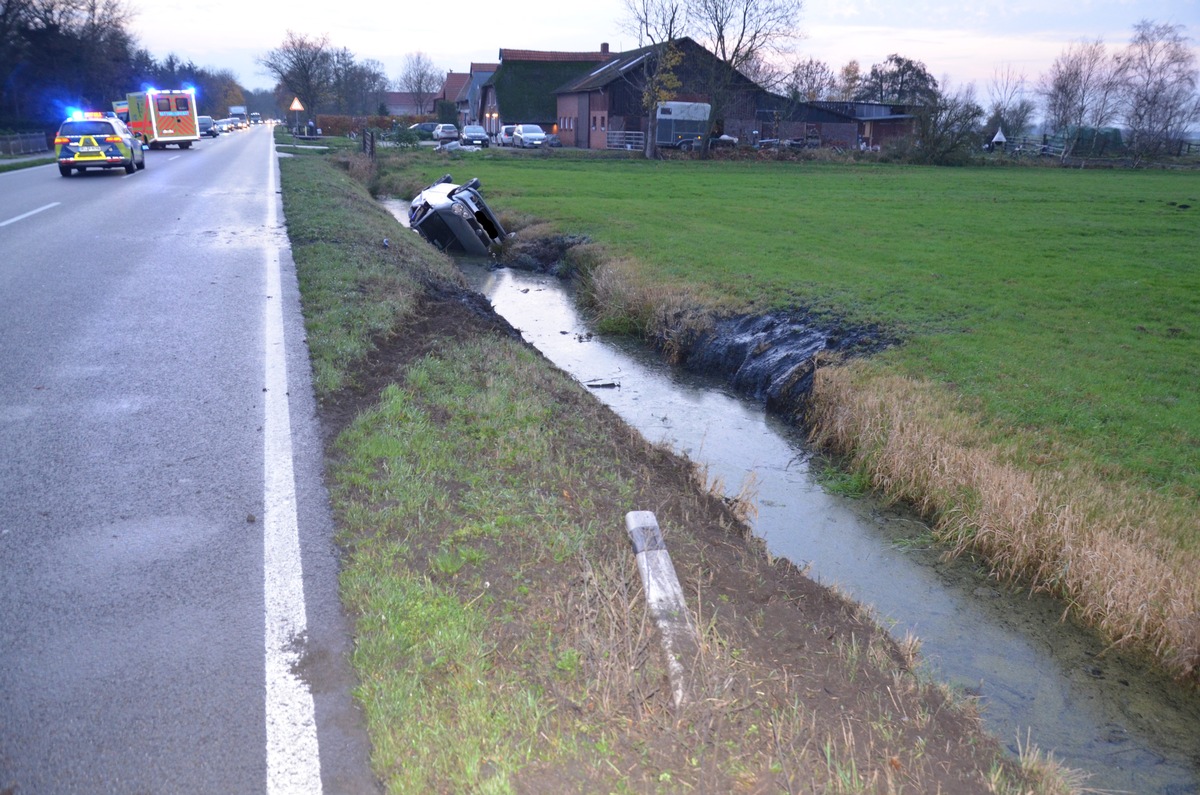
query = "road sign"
{"x": 296, "y": 104}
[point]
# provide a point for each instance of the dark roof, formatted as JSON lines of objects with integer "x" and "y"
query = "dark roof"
{"x": 526, "y": 81}
{"x": 606, "y": 72}
{"x": 624, "y": 66}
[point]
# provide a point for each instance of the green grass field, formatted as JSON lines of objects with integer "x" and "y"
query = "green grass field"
{"x": 1055, "y": 301}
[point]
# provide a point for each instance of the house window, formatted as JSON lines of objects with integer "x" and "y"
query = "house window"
{"x": 601, "y": 124}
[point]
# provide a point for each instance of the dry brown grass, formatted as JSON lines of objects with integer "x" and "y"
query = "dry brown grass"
{"x": 617, "y": 294}
{"x": 1101, "y": 546}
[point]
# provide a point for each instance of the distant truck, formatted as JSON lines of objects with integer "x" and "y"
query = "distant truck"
{"x": 161, "y": 118}
{"x": 256, "y": 118}
{"x": 681, "y": 125}
{"x": 239, "y": 112}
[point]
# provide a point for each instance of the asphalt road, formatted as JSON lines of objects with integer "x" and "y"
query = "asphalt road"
{"x": 169, "y": 620}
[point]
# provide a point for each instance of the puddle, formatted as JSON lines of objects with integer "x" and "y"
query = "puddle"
{"x": 1038, "y": 679}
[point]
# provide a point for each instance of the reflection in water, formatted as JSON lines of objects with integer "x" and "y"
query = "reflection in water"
{"x": 1132, "y": 731}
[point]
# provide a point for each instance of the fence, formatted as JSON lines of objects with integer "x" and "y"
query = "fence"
{"x": 620, "y": 139}
{"x": 23, "y": 144}
{"x": 1034, "y": 147}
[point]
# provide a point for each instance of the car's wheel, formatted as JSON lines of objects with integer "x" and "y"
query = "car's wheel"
{"x": 130, "y": 167}
{"x": 64, "y": 170}
{"x": 686, "y": 146}
{"x": 141, "y": 164}
{"x": 185, "y": 144}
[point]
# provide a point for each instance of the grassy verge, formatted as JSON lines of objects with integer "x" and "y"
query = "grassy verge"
{"x": 14, "y": 165}
{"x": 501, "y": 643}
{"x": 1051, "y": 326}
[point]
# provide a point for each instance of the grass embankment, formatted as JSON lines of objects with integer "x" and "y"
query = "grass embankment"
{"x": 500, "y": 639}
{"x": 17, "y": 164}
{"x": 1042, "y": 409}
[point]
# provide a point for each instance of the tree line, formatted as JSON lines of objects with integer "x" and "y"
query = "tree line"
{"x": 1148, "y": 88}
{"x": 59, "y": 55}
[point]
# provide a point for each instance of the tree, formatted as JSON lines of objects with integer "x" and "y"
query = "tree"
{"x": 740, "y": 33}
{"x": 304, "y": 67}
{"x": 421, "y": 80}
{"x": 1079, "y": 91}
{"x": 60, "y": 53}
{"x": 811, "y": 80}
{"x": 1009, "y": 109}
{"x": 948, "y": 126}
{"x": 657, "y": 25}
{"x": 1158, "y": 79}
{"x": 848, "y": 81}
{"x": 358, "y": 88}
{"x": 898, "y": 81}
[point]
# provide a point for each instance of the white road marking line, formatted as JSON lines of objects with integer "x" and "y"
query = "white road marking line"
{"x": 293, "y": 758}
{"x": 31, "y": 212}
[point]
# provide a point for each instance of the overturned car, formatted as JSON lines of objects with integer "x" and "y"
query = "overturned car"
{"x": 456, "y": 218}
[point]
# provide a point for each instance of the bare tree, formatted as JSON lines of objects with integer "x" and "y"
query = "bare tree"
{"x": 358, "y": 88}
{"x": 765, "y": 74}
{"x": 948, "y": 126}
{"x": 1158, "y": 81}
{"x": 1080, "y": 90}
{"x": 1010, "y": 110}
{"x": 420, "y": 79}
{"x": 740, "y": 33}
{"x": 304, "y": 67}
{"x": 657, "y": 24}
{"x": 811, "y": 80}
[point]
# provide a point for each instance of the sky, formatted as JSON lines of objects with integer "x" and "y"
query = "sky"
{"x": 957, "y": 43}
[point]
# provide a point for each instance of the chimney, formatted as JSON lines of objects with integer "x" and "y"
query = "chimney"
{"x": 604, "y": 48}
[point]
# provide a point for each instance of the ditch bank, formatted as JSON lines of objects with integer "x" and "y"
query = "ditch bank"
{"x": 1106, "y": 712}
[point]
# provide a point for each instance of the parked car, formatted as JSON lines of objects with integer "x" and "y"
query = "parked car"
{"x": 445, "y": 132}
{"x": 424, "y": 129}
{"x": 474, "y": 135}
{"x": 553, "y": 141}
{"x": 527, "y": 136}
{"x": 504, "y": 137}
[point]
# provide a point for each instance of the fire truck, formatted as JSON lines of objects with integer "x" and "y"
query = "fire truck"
{"x": 160, "y": 118}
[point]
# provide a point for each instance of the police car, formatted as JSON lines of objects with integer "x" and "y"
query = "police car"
{"x": 97, "y": 140}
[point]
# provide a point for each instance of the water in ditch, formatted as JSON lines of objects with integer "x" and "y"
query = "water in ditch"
{"x": 1039, "y": 680}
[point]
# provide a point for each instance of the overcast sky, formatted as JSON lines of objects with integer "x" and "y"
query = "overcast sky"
{"x": 964, "y": 44}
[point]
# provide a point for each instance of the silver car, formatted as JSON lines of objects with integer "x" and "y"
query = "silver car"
{"x": 528, "y": 135}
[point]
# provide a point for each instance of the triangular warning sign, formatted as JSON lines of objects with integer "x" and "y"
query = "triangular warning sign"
{"x": 296, "y": 104}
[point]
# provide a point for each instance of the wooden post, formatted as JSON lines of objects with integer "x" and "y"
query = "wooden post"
{"x": 665, "y": 602}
